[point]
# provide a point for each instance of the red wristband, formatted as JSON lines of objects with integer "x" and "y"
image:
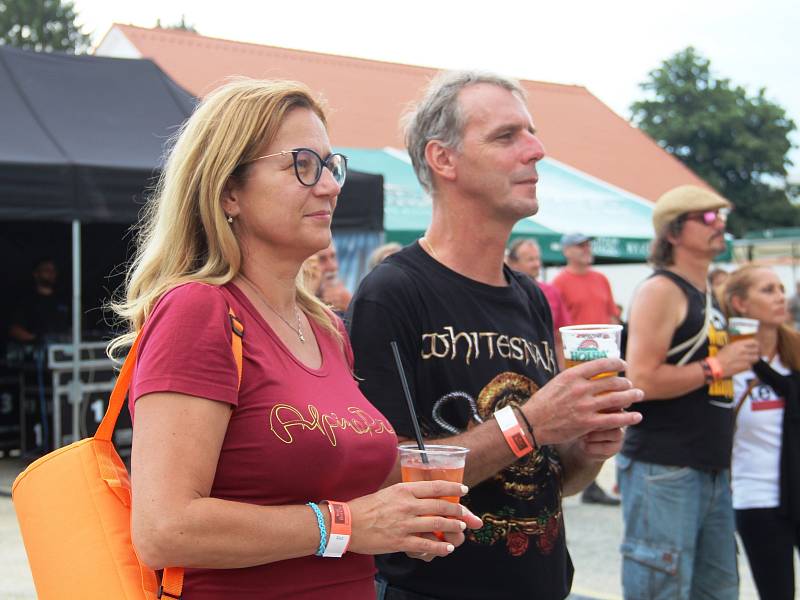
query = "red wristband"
{"x": 341, "y": 529}
{"x": 515, "y": 438}
{"x": 716, "y": 368}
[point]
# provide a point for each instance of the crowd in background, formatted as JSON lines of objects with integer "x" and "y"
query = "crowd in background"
{"x": 764, "y": 457}
{"x": 764, "y": 453}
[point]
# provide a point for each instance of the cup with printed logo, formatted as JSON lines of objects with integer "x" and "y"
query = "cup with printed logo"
{"x": 436, "y": 462}
{"x": 740, "y": 328}
{"x": 583, "y": 343}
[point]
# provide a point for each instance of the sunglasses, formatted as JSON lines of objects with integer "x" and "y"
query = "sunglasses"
{"x": 709, "y": 217}
{"x": 308, "y": 165}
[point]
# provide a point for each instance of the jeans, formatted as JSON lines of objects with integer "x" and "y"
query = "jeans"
{"x": 384, "y": 591}
{"x": 679, "y": 538}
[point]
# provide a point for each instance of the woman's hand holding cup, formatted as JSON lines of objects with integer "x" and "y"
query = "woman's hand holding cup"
{"x": 403, "y": 517}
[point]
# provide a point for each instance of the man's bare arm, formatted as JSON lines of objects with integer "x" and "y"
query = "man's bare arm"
{"x": 579, "y": 470}
{"x": 658, "y": 309}
{"x": 583, "y": 459}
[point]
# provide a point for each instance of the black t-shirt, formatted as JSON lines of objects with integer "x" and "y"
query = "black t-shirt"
{"x": 696, "y": 429}
{"x": 460, "y": 339}
{"x": 47, "y": 317}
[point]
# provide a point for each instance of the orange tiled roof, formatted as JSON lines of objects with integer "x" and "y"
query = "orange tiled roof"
{"x": 367, "y": 97}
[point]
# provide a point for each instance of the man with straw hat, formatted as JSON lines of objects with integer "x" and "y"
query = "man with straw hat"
{"x": 477, "y": 344}
{"x": 673, "y": 470}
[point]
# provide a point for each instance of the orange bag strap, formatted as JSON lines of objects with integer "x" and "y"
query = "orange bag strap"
{"x": 172, "y": 579}
{"x": 171, "y": 583}
{"x": 237, "y": 330}
{"x": 106, "y": 428}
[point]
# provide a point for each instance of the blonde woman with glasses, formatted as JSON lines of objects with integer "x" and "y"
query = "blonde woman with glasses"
{"x": 230, "y": 476}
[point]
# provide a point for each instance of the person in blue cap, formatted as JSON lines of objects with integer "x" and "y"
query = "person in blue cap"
{"x": 588, "y": 298}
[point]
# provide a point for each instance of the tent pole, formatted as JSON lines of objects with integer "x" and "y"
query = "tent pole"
{"x": 76, "y": 329}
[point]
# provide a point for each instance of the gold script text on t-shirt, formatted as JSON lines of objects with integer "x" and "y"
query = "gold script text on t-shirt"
{"x": 468, "y": 345}
{"x": 284, "y": 417}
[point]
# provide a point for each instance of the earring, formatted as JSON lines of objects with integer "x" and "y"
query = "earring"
{"x": 229, "y": 219}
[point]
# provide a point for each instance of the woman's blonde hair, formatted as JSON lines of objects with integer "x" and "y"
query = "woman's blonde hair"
{"x": 738, "y": 285}
{"x": 183, "y": 235}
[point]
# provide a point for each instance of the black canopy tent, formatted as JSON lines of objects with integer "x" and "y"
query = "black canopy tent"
{"x": 81, "y": 140}
{"x": 81, "y": 136}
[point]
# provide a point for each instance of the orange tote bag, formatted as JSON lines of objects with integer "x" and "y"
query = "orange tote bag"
{"x": 74, "y": 511}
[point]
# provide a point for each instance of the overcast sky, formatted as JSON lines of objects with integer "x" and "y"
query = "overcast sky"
{"x": 609, "y": 47}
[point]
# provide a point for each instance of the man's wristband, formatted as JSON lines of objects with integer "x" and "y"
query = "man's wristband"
{"x": 515, "y": 438}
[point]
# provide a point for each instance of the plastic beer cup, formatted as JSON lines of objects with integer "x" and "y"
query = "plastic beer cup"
{"x": 583, "y": 343}
{"x": 740, "y": 328}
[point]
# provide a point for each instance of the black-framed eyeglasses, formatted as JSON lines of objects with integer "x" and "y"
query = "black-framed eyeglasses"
{"x": 308, "y": 165}
{"x": 709, "y": 217}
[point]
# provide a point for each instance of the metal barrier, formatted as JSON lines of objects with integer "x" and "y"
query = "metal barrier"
{"x": 97, "y": 374}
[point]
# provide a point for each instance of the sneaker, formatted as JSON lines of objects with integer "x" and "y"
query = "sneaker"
{"x": 594, "y": 494}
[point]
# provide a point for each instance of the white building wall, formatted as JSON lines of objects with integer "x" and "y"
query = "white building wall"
{"x": 116, "y": 45}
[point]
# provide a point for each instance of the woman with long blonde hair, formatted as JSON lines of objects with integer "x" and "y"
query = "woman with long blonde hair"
{"x": 766, "y": 446}
{"x": 230, "y": 470}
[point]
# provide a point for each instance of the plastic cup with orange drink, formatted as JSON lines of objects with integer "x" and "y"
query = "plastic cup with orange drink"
{"x": 435, "y": 462}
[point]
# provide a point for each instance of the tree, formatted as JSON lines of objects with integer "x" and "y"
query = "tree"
{"x": 182, "y": 25}
{"x": 737, "y": 143}
{"x": 41, "y": 25}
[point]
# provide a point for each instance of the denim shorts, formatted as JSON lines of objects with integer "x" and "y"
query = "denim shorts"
{"x": 679, "y": 538}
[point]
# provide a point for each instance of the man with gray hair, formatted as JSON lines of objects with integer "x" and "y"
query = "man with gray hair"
{"x": 476, "y": 342}
{"x": 674, "y": 468}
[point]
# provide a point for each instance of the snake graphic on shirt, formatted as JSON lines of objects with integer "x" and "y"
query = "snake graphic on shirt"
{"x": 516, "y": 480}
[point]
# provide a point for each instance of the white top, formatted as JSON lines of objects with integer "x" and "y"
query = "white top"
{"x": 755, "y": 470}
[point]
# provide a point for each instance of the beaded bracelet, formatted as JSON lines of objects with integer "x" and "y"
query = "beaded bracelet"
{"x": 708, "y": 374}
{"x": 323, "y": 533}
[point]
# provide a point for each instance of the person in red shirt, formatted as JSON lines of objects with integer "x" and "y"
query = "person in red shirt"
{"x": 525, "y": 255}
{"x": 586, "y": 292}
{"x": 230, "y": 473}
{"x": 587, "y": 295}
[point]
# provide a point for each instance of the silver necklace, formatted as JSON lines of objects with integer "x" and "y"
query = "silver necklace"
{"x": 298, "y": 330}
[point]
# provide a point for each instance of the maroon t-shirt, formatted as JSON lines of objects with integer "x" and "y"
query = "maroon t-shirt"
{"x": 296, "y": 434}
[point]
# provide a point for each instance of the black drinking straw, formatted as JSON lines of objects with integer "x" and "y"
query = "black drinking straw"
{"x": 411, "y": 411}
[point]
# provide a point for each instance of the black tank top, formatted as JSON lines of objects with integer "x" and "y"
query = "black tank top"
{"x": 696, "y": 429}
